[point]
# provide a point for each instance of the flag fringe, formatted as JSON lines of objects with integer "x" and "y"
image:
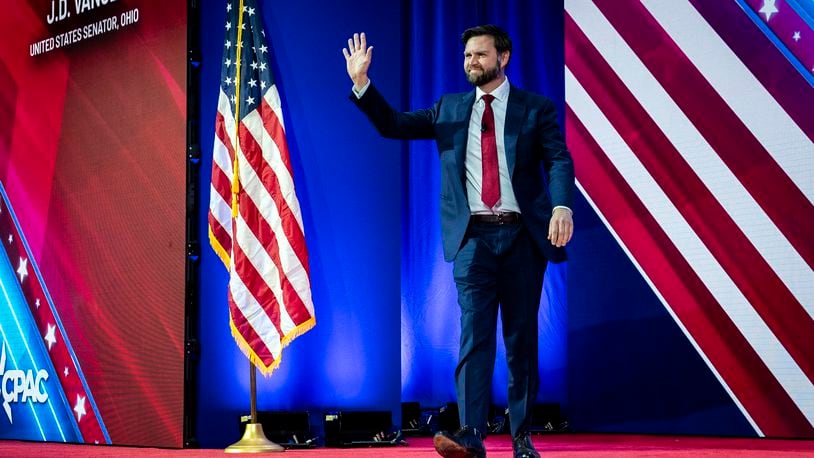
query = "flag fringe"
{"x": 287, "y": 339}
{"x": 219, "y": 250}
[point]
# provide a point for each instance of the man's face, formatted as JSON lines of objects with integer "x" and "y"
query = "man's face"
{"x": 481, "y": 61}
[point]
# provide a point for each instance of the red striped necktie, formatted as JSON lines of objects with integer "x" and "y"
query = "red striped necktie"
{"x": 490, "y": 180}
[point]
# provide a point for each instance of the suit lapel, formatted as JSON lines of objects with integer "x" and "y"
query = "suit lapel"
{"x": 515, "y": 112}
{"x": 462, "y": 116}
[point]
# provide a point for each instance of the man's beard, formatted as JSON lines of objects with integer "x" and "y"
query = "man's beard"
{"x": 486, "y": 76}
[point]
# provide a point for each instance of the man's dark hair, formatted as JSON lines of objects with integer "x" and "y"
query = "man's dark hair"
{"x": 502, "y": 41}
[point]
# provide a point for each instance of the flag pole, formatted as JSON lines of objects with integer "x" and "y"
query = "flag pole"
{"x": 254, "y": 439}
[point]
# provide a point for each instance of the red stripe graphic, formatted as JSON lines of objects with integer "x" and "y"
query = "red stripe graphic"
{"x": 775, "y": 72}
{"x": 782, "y": 312}
{"x": 725, "y": 347}
{"x": 771, "y": 187}
{"x": 718, "y": 223}
{"x": 46, "y": 317}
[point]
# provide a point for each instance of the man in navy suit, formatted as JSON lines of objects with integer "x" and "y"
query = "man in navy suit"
{"x": 507, "y": 183}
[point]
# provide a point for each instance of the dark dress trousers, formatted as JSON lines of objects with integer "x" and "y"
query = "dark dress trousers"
{"x": 495, "y": 266}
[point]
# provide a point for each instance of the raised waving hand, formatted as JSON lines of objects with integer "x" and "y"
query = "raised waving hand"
{"x": 358, "y": 57}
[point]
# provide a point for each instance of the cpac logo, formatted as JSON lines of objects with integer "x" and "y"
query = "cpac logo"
{"x": 21, "y": 386}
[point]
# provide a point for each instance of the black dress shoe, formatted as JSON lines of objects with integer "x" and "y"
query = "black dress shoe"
{"x": 523, "y": 448}
{"x": 466, "y": 443}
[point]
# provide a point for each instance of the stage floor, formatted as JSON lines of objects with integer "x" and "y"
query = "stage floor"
{"x": 555, "y": 445}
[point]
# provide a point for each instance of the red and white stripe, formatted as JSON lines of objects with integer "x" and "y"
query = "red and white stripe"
{"x": 263, "y": 244}
{"x": 705, "y": 175}
{"x": 220, "y": 191}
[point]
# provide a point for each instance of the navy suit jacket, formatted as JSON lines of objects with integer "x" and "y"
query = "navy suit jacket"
{"x": 540, "y": 166}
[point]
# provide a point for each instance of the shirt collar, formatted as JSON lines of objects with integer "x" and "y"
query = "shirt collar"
{"x": 501, "y": 92}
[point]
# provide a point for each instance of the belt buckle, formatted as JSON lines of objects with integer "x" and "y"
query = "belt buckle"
{"x": 500, "y": 219}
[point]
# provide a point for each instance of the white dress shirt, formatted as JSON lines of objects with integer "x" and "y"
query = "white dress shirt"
{"x": 473, "y": 161}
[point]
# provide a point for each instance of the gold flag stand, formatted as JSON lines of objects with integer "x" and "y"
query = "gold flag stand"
{"x": 254, "y": 439}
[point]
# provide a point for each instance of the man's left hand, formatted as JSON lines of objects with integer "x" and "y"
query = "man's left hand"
{"x": 561, "y": 227}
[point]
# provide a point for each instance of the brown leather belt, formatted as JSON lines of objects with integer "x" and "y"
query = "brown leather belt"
{"x": 496, "y": 218}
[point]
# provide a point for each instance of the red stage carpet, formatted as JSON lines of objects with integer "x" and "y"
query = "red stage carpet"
{"x": 564, "y": 445}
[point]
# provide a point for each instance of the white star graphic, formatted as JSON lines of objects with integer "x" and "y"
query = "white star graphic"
{"x": 228, "y": 44}
{"x": 262, "y": 66}
{"x": 233, "y": 98}
{"x": 37, "y": 303}
{"x": 50, "y": 336}
{"x": 228, "y": 26}
{"x": 768, "y": 9}
{"x": 263, "y": 48}
{"x": 251, "y": 11}
{"x": 22, "y": 270}
{"x": 262, "y": 84}
{"x": 252, "y": 82}
{"x": 228, "y": 81}
{"x": 250, "y": 100}
{"x": 79, "y": 407}
{"x": 796, "y": 36}
{"x": 228, "y": 62}
{"x": 254, "y": 65}
{"x": 65, "y": 371}
{"x": 243, "y": 26}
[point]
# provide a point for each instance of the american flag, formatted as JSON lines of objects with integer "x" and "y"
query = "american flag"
{"x": 691, "y": 124}
{"x": 255, "y": 225}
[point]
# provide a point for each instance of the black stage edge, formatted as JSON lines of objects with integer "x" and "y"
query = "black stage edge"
{"x": 361, "y": 429}
{"x": 292, "y": 430}
{"x": 193, "y": 240}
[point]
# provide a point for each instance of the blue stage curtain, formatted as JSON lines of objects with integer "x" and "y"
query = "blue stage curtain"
{"x": 430, "y": 314}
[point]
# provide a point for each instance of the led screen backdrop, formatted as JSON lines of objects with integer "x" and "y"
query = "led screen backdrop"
{"x": 691, "y": 127}
{"x": 92, "y": 174}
